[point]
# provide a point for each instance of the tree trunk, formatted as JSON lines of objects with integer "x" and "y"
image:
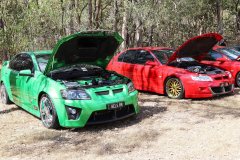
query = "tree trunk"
{"x": 150, "y": 36}
{"x": 94, "y": 7}
{"x": 4, "y": 53}
{"x": 124, "y": 30}
{"x": 238, "y": 21}
{"x": 78, "y": 16}
{"x": 71, "y": 17}
{"x": 237, "y": 16}
{"x": 138, "y": 32}
{"x": 63, "y": 30}
{"x": 97, "y": 14}
{"x": 89, "y": 14}
{"x": 219, "y": 18}
{"x": 115, "y": 16}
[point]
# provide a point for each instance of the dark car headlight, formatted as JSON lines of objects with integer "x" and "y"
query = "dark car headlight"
{"x": 74, "y": 94}
{"x": 130, "y": 87}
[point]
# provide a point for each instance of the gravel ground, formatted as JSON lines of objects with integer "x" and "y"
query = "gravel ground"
{"x": 164, "y": 129}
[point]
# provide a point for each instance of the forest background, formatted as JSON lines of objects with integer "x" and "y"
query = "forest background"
{"x": 27, "y": 25}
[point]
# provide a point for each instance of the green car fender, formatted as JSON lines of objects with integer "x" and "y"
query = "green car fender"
{"x": 52, "y": 89}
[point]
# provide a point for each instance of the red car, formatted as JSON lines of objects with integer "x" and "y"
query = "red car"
{"x": 165, "y": 70}
{"x": 227, "y": 58}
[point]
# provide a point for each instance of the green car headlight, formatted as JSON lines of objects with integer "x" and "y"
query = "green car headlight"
{"x": 74, "y": 94}
{"x": 130, "y": 87}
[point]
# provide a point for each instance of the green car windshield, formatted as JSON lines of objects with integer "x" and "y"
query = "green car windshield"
{"x": 230, "y": 53}
{"x": 164, "y": 54}
{"x": 42, "y": 61}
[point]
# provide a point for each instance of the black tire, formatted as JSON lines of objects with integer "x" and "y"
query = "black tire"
{"x": 174, "y": 88}
{"x": 48, "y": 112}
{"x": 237, "y": 79}
{"x": 4, "y": 95}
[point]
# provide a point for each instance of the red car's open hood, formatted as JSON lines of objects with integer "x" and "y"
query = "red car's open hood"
{"x": 197, "y": 47}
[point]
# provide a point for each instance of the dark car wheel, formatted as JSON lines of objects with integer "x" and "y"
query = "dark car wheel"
{"x": 4, "y": 95}
{"x": 237, "y": 79}
{"x": 174, "y": 88}
{"x": 48, "y": 112}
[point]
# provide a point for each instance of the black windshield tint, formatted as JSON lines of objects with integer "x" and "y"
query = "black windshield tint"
{"x": 230, "y": 53}
{"x": 42, "y": 61}
{"x": 129, "y": 56}
{"x": 143, "y": 56}
{"x": 163, "y": 55}
{"x": 236, "y": 48}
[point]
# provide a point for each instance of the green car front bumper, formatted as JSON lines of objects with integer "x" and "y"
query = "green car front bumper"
{"x": 94, "y": 112}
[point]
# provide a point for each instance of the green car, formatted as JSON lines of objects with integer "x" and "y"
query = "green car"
{"x": 70, "y": 85}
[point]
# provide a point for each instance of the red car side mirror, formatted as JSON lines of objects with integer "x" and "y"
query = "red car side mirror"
{"x": 151, "y": 63}
{"x": 221, "y": 59}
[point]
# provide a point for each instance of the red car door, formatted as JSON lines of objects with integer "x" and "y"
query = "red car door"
{"x": 146, "y": 75}
{"x": 124, "y": 64}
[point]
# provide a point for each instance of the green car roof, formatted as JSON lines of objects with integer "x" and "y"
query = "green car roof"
{"x": 42, "y": 52}
{"x": 88, "y": 47}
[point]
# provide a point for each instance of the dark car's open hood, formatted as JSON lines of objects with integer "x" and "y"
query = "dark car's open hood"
{"x": 196, "y": 47}
{"x": 87, "y": 47}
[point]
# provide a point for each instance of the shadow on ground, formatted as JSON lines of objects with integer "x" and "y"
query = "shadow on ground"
{"x": 9, "y": 110}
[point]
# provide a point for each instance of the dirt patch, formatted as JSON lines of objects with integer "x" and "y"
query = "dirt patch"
{"x": 164, "y": 129}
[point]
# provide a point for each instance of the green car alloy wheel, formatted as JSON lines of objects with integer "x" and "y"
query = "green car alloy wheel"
{"x": 48, "y": 112}
{"x": 69, "y": 86}
{"x": 4, "y": 95}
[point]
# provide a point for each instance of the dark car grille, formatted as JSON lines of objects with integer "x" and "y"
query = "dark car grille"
{"x": 221, "y": 90}
{"x": 107, "y": 92}
{"x": 217, "y": 78}
{"x": 117, "y": 90}
{"x": 217, "y": 89}
{"x": 106, "y": 115}
{"x": 102, "y": 93}
{"x": 220, "y": 78}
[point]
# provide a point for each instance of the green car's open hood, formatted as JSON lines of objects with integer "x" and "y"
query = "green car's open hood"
{"x": 87, "y": 47}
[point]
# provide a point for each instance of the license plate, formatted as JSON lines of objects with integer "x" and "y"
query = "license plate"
{"x": 115, "y": 105}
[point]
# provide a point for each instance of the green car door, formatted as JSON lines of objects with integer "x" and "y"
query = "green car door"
{"x": 20, "y": 85}
{"x": 11, "y": 75}
{"x": 24, "y": 85}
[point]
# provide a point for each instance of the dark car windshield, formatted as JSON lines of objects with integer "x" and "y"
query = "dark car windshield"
{"x": 230, "y": 53}
{"x": 163, "y": 55}
{"x": 42, "y": 61}
{"x": 77, "y": 67}
{"x": 236, "y": 48}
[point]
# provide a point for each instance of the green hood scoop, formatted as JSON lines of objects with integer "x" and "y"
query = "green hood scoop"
{"x": 87, "y": 47}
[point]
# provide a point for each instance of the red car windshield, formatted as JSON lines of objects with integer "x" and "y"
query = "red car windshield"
{"x": 230, "y": 53}
{"x": 164, "y": 54}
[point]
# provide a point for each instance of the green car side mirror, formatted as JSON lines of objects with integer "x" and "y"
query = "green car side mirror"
{"x": 5, "y": 63}
{"x": 26, "y": 72}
